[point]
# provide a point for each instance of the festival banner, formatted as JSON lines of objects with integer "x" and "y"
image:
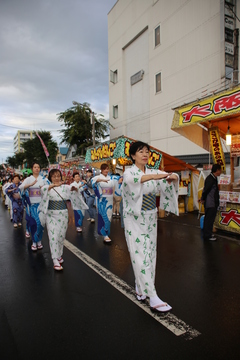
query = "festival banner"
{"x": 43, "y": 145}
{"x": 216, "y": 148}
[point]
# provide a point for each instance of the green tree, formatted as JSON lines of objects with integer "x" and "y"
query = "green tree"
{"x": 78, "y": 127}
{"x": 11, "y": 161}
{"x": 33, "y": 149}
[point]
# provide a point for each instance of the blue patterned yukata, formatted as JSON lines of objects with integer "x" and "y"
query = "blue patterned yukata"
{"x": 104, "y": 192}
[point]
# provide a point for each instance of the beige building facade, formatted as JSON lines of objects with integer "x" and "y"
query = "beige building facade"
{"x": 163, "y": 54}
{"x": 20, "y": 137}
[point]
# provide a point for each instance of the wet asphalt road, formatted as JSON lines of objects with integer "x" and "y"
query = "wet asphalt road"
{"x": 77, "y": 314}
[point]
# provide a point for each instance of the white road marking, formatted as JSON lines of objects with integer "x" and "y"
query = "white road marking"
{"x": 170, "y": 321}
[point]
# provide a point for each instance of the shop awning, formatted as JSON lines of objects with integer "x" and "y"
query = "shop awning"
{"x": 222, "y": 110}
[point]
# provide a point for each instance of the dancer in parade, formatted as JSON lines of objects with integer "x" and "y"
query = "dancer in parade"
{"x": 104, "y": 187}
{"x": 54, "y": 213}
{"x": 140, "y": 184}
{"x": 31, "y": 188}
{"x": 14, "y": 194}
{"x": 79, "y": 212}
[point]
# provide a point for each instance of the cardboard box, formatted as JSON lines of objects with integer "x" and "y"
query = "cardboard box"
{"x": 223, "y": 187}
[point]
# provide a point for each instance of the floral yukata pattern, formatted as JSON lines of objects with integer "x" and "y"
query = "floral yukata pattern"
{"x": 141, "y": 226}
{"x": 57, "y": 220}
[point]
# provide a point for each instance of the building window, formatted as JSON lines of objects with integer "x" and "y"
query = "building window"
{"x": 115, "y": 111}
{"x": 158, "y": 83}
{"x": 157, "y": 36}
{"x": 114, "y": 76}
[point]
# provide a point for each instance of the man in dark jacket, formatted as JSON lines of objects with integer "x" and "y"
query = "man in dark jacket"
{"x": 210, "y": 198}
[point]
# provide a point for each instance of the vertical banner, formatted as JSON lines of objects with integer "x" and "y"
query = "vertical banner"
{"x": 44, "y": 147}
{"x": 216, "y": 148}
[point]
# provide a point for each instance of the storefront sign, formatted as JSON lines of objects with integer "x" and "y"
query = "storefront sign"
{"x": 230, "y": 215}
{"x": 216, "y": 148}
{"x": 210, "y": 108}
{"x": 229, "y": 10}
{"x": 229, "y": 23}
{"x": 235, "y": 146}
{"x": 229, "y": 48}
{"x": 137, "y": 77}
{"x": 119, "y": 149}
{"x": 229, "y": 35}
{"x": 229, "y": 59}
{"x": 229, "y": 218}
{"x": 103, "y": 151}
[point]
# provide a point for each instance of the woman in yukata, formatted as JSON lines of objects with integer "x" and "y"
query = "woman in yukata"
{"x": 31, "y": 190}
{"x": 104, "y": 187}
{"x": 13, "y": 192}
{"x": 79, "y": 212}
{"x": 54, "y": 213}
{"x": 140, "y": 184}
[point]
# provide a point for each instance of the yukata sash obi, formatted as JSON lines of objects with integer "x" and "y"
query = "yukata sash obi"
{"x": 107, "y": 191}
{"x": 148, "y": 202}
{"x": 34, "y": 192}
{"x": 57, "y": 205}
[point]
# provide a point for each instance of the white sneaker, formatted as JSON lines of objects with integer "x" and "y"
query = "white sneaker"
{"x": 92, "y": 221}
{"x": 89, "y": 219}
{"x": 212, "y": 238}
{"x": 79, "y": 229}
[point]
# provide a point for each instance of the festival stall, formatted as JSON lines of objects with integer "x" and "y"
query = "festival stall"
{"x": 115, "y": 152}
{"x": 68, "y": 167}
{"x": 210, "y": 123}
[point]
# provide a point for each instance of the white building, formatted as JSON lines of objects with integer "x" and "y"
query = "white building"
{"x": 19, "y": 138}
{"x": 162, "y": 54}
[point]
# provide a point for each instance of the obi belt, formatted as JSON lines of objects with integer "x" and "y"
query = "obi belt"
{"x": 34, "y": 192}
{"x": 148, "y": 202}
{"x": 57, "y": 205}
{"x": 107, "y": 191}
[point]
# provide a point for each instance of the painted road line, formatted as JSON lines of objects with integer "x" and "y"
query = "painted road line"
{"x": 170, "y": 321}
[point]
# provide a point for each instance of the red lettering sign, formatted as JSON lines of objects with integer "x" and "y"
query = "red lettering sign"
{"x": 227, "y": 216}
{"x": 202, "y": 111}
{"x": 226, "y": 103}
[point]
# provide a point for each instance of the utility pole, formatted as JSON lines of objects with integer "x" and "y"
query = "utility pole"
{"x": 93, "y": 128}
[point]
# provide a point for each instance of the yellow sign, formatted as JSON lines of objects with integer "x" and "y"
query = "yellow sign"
{"x": 104, "y": 151}
{"x": 119, "y": 149}
{"x": 229, "y": 219}
{"x": 226, "y": 103}
{"x": 216, "y": 147}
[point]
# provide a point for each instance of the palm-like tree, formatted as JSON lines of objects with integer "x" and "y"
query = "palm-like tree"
{"x": 78, "y": 127}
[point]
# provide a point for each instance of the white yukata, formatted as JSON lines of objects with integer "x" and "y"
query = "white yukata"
{"x": 141, "y": 225}
{"x": 79, "y": 212}
{"x": 54, "y": 213}
{"x": 104, "y": 192}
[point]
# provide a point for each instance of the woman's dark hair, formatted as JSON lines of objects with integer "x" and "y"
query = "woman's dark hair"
{"x": 104, "y": 166}
{"x": 15, "y": 175}
{"x": 75, "y": 173}
{"x": 136, "y": 146}
{"x": 34, "y": 164}
{"x": 53, "y": 171}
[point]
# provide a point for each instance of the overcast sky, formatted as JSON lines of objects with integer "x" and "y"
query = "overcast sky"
{"x": 52, "y": 52}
